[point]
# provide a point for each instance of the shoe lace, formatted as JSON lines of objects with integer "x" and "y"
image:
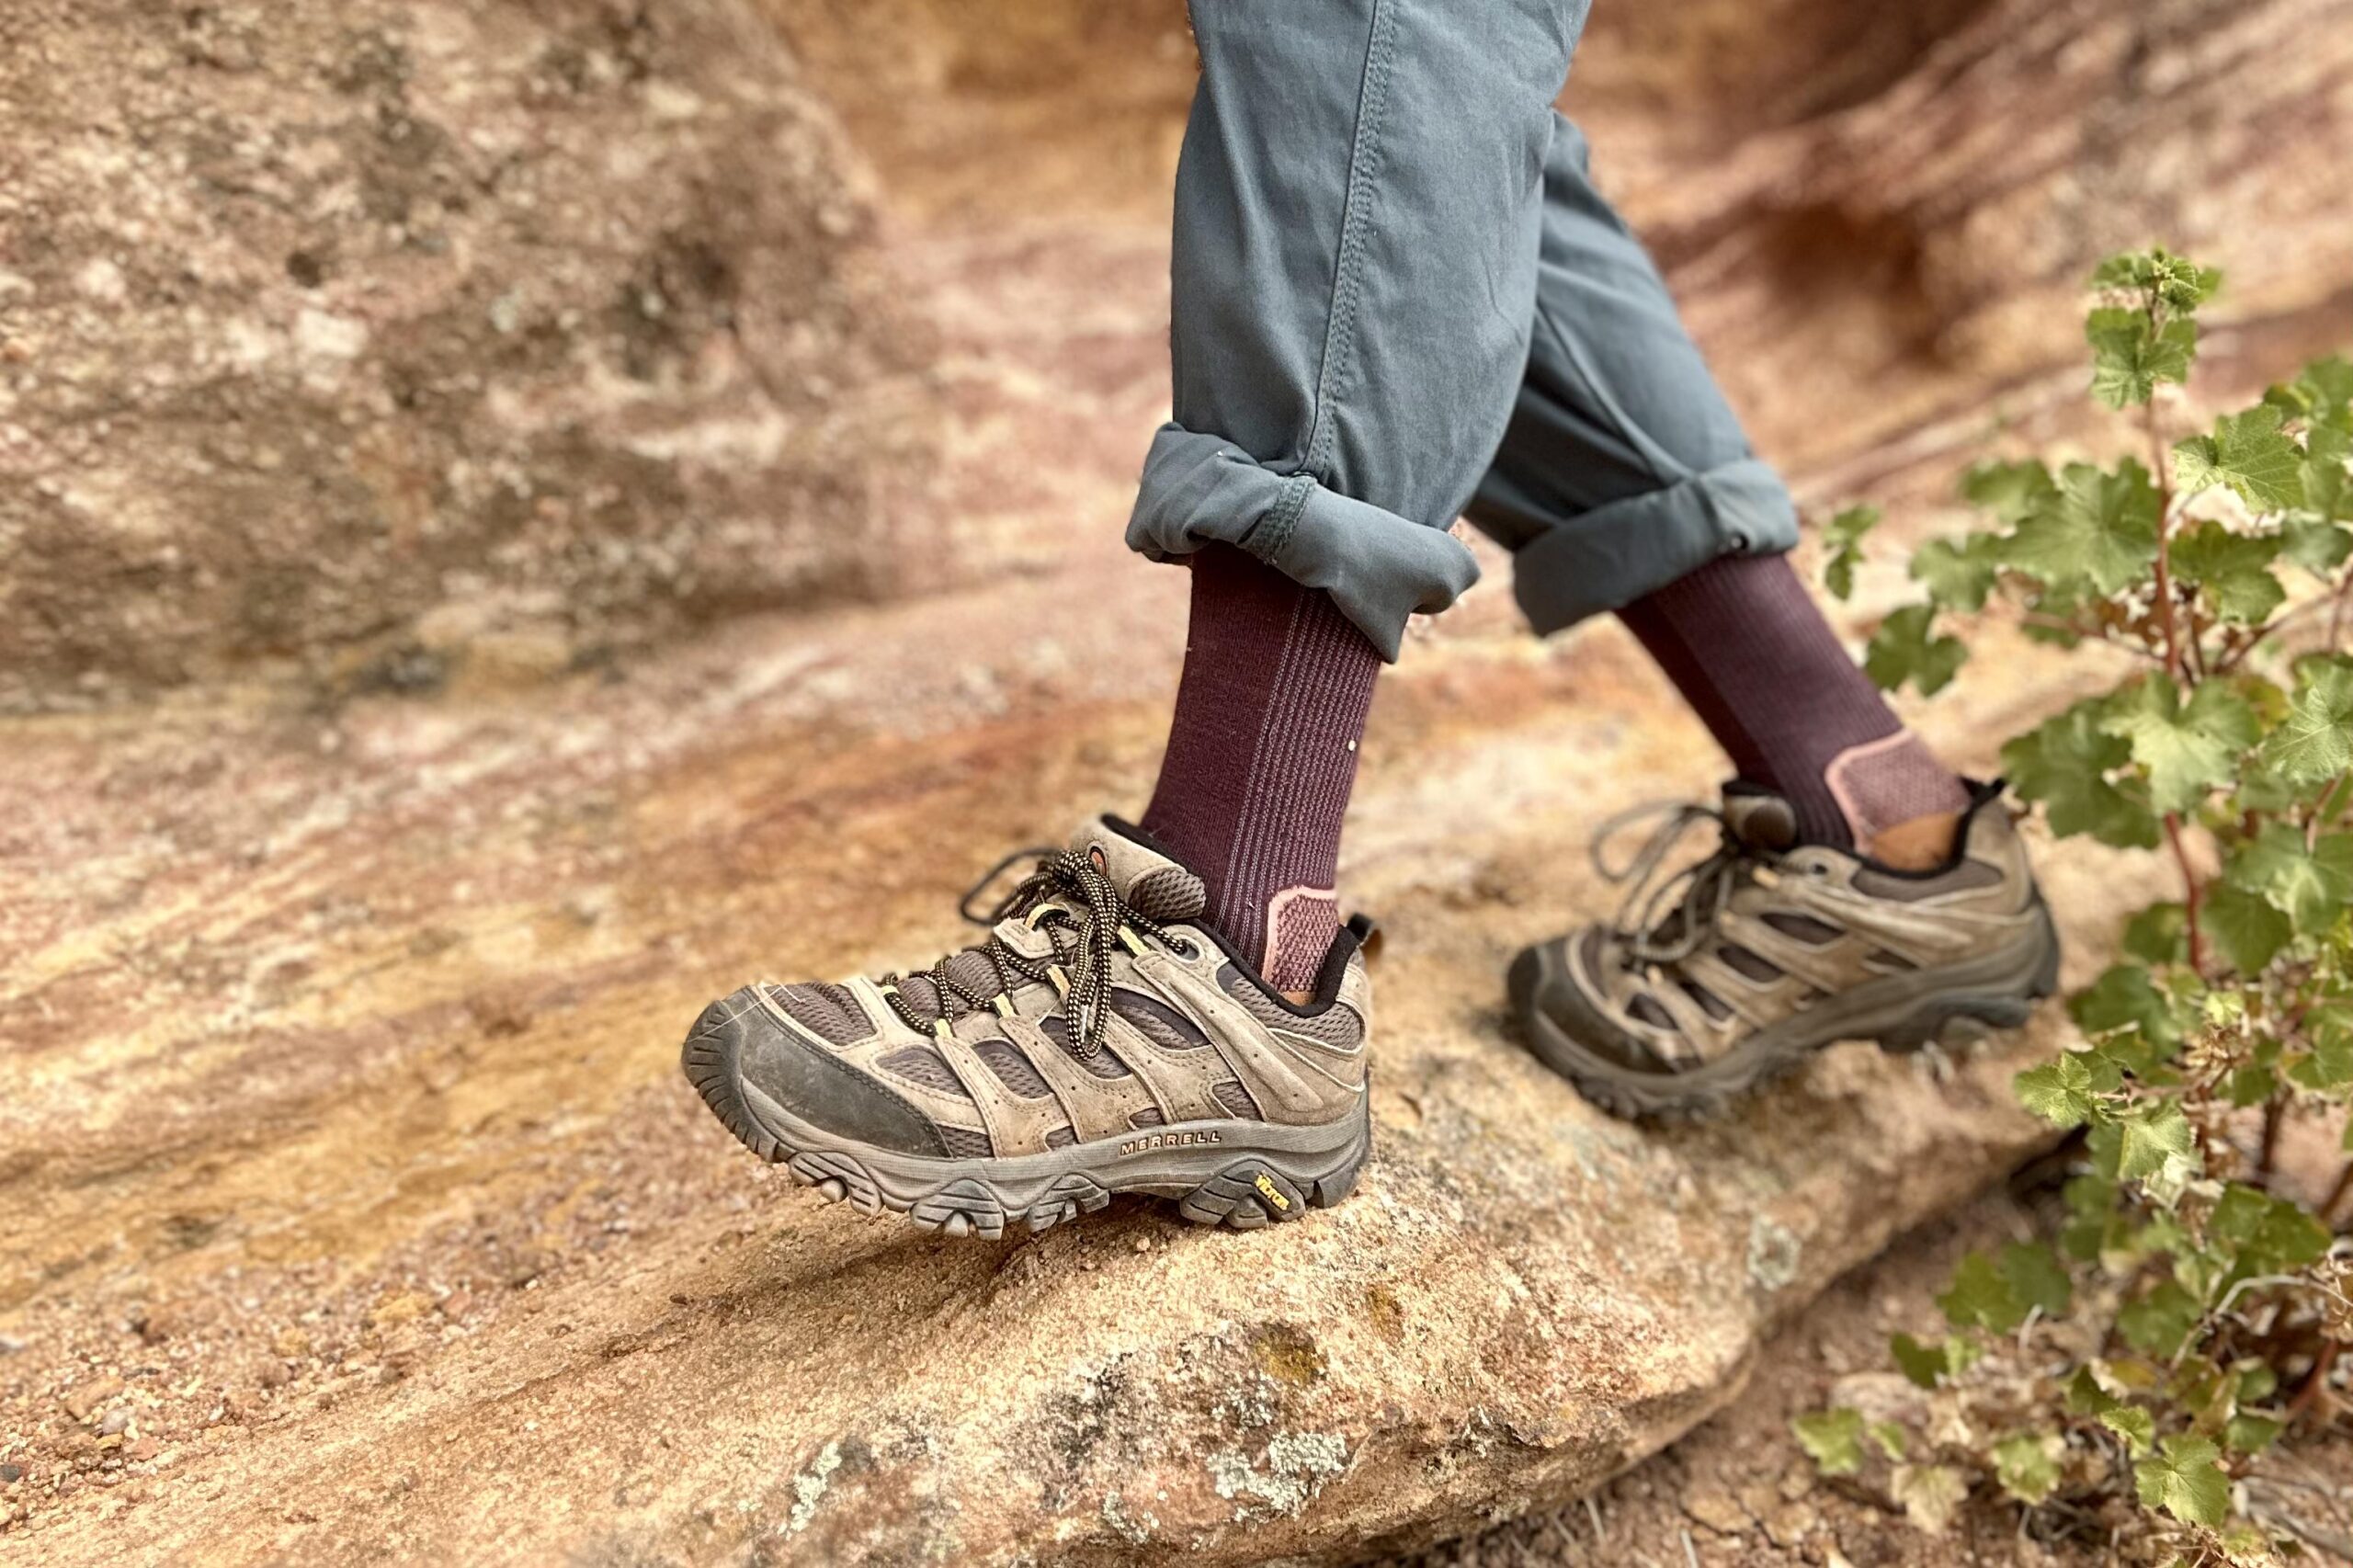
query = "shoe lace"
{"x": 1084, "y": 919}
{"x": 1664, "y": 919}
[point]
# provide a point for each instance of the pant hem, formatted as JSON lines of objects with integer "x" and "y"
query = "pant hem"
{"x": 1615, "y": 554}
{"x": 1380, "y": 568}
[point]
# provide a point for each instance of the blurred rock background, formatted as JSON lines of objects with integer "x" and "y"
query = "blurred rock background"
{"x": 362, "y": 344}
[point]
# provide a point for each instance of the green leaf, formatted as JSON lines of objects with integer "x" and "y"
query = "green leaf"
{"x": 2247, "y": 1434}
{"x": 1931, "y": 1494}
{"x": 2037, "y": 1278}
{"x": 2244, "y": 927}
{"x": 1957, "y": 576}
{"x": 2233, "y": 568}
{"x": 2270, "y": 1235}
{"x": 2186, "y": 1481}
{"x": 2064, "y": 764}
{"x": 1889, "y": 1439}
{"x": 2012, "y": 492}
{"x": 2186, "y": 748}
{"x": 2310, "y": 886}
{"x": 2155, "y": 1324}
{"x": 2092, "y": 1220}
{"x": 2097, "y": 529}
{"x": 2326, "y": 386}
{"x": 1927, "y": 1362}
{"x": 2026, "y": 1465}
{"x": 2248, "y": 453}
{"x": 1903, "y": 649}
{"x": 2173, "y": 281}
{"x": 2316, "y": 544}
{"x": 1834, "y": 1438}
{"x": 1842, "y": 540}
{"x": 2131, "y": 354}
{"x": 2314, "y": 742}
{"x": 2250, "y": 1435}
{"x": 2328, "y": 1030}
{"x": 2159, "y": 934}
{"x": 1980, "y": 1298}
{"x": 2154, "y": 1136}
{"x": 2134, "y": 1425}
{"x": 2124, "y": 997}
{"x": 2059, "y": 1091}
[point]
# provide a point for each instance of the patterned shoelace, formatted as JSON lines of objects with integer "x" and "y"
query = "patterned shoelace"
{"x": 1084, "y": 918}
{"x": 1648, "y": 929}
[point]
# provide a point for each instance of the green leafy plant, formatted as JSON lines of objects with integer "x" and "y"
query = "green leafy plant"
{"x": 2129, "y": 1369}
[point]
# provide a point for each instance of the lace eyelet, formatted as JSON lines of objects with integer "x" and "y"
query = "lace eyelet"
{"x": 1184, "y": 947}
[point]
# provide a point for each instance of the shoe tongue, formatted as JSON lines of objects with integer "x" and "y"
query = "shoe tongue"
{"x": 1155, "y": 885}
{"x": 1760, "y": 820}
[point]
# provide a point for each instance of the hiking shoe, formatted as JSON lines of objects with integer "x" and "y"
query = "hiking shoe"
{"x": 1101, "y": 1040}
{"x": 1718, "y": 977}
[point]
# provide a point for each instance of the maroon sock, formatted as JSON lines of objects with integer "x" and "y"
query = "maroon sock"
{"x": 1261, "y": 757}
{"x": 1750, "y": 653}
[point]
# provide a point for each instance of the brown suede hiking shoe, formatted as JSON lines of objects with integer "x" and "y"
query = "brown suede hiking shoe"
{"x": 1773, "y": 949}
{"x": 1100, "y": 1041}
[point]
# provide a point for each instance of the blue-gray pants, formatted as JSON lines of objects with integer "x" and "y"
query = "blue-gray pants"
{"x": 1398, "y": 300}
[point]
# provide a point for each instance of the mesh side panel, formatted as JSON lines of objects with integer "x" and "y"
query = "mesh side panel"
{"x": 1167, "y": 892}
{"x": 921, "y": 1064}
{"x": 1157, "y": 1022}
{"x": 1237, "y": 1100}
{"x": 1061, "y": 1137}
{"x": 1104, "y": 1064}
{"x": 1005, "y": 1060}
{"x": 1803, "y": 928}
{"x": 1336, "y": 1025}
{"x": 829, "y": 1011}
{"x": 1755, "y": 967}
{"x": 966, "y": 1143}
{"x": 1645, "y": 1007}
{"x": 1709, "y": 1002}
{"x": 1149, "y": 1116}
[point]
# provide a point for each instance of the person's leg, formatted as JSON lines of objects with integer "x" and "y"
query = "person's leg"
{"x": 1355, "y": 275}
{"x": 1355, "y": 271}
{"x": 1857, "y": 889}
{"x": 1625, "y": 483}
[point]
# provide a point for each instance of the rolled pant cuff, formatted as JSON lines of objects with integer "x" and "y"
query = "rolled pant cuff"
{"x": 1615, "y": 554}
{"x": 1380, "y": 568}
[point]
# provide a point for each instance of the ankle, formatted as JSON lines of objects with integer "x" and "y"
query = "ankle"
{"x": 1920, "y": 843}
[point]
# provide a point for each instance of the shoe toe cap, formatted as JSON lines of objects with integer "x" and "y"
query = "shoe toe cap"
{"x": 1566, "y": 1023}
{"x": 747, "y": 1064}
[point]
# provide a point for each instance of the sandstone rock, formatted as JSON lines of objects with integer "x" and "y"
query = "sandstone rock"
{"x": 324, "y": 321}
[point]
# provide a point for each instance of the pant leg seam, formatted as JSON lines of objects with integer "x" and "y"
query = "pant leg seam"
{"x": 1339, "y": 338}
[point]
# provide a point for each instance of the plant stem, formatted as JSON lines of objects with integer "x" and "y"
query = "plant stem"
{"x": 2344, "y": 1183}
{"x": 2268, "y": 1151}
{"x": 2162, "y": 473}
{"x": 2324, "y": 808}
{"x": 2312, "y": 1384}
{"x": 2193, "y": 892}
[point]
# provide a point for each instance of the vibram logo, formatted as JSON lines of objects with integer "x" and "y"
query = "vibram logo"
{"x": 1169, "y": 1141}
{"x": 1271, "y": 1193}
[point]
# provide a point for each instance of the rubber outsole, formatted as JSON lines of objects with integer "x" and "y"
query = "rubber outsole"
{"x": 1214, "y": 1177}
{"x": 1977, "y": 1002}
